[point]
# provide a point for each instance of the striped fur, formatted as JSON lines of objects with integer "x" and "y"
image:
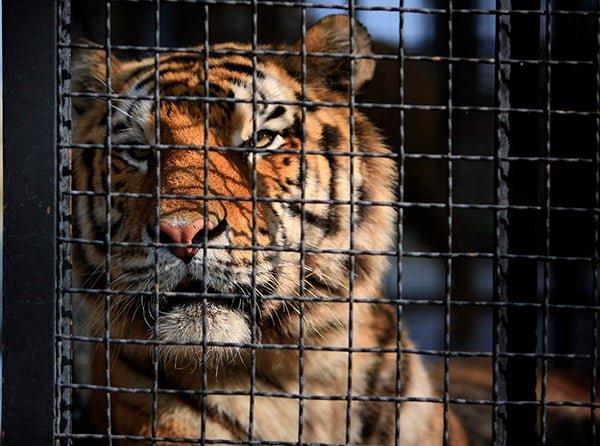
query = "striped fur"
{"x": 262, "y": 248}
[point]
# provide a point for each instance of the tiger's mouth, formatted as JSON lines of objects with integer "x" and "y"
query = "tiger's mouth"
{"x": 196, "y": 293}
{"x": 199, "y": 324}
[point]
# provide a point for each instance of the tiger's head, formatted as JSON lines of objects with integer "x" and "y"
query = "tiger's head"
{"x": 214, "y": 188}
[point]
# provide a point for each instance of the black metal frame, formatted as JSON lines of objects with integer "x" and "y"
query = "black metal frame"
{"x": 29, "y": 52}
{"x": 36, "y": 370}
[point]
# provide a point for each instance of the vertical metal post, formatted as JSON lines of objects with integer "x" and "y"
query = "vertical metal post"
{"x": 64, "y": 313}
{"x": 516, "y": 184}
{"x": 503, "y": 71}
{"x": 29, "y": 45}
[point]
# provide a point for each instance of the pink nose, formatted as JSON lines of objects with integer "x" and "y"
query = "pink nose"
{"x": 185, "y": 234}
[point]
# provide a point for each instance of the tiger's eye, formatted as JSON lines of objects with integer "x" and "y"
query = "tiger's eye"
{"x": 140, "y": 154}
{"x": 264, "y": 138}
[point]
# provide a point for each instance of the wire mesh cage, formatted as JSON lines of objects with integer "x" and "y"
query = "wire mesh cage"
{"x": 370, "y": 222}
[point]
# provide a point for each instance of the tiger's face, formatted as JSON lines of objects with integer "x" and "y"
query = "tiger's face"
{"x": 224, "y": 186}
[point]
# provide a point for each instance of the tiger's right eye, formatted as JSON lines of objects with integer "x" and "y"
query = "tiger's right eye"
{"x": 140, "y": 154}
{"x": 135, "y": 153}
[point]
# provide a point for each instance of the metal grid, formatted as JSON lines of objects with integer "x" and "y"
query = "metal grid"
{"x": 497, "y": 251}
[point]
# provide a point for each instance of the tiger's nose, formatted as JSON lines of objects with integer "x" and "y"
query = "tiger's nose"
{"x": 185, "y": 235}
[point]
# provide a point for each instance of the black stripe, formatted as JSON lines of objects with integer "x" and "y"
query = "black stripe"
{"x": 244, "y": 69}
{"x": 369, "y": 413}
{"x": 97, "y": 228}
{"x": 214, "y": 89}
{"x": 103, "y": 119}
{"x": 87, "y": 158}
{"x": 333, "y": 217}
{"x": 119, "y": 206}
{"x": 228, "y": 422}
{"x": 138, "y": 72}
{"x": 218, "y": 91}
{"x": 283, "y": 188}
{"x": 169, "y": 88}
{"x": 182, "y": 58}
{"x": 372, "y": 415}
{"x": 296, "y": 127}
{"x": 114, "y": 168}
{"x": 119, "y": 185}
{"x": 314, "y": 283}
{"x": 329, "y": 224}
{"x": 151, "y": 76}
{"x": 286, "y": 183}
{"x": 316, "y": 220}
{"x": 228, "y": 106}
{"x": 143, "y": 82}
{"x": 359, "y": 209}
{"x": 114, "y": 228}
{"x": 279, "y": 111}
{"x": 362, "y": 267}
{"x": 330, "y": 138}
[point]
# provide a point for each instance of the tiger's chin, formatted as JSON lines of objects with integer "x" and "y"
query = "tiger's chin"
{"x": 205, "y": 333}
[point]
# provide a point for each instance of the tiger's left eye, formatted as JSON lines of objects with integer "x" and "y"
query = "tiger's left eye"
{"x": 264, "y": 138}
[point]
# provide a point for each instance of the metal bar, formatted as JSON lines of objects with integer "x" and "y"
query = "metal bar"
{"x": 400, "y": 223}
{"x": 29, "y": 225}
{"x": 64, "y": 312}
{"x": 526, "y": 138}
{"x": 500, "y": 221}
{"x": 516, "y": 277}
{"x": 449, "y": 279}
{"x": 595, "y": 363}
{"x": 546, "y": 287}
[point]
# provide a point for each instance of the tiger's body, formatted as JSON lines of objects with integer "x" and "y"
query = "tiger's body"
{"x": 259, "y": 204}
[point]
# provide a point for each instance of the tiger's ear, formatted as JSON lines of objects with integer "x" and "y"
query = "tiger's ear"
{"x": 332, "y": 35}
{"x": 88, "y": 75}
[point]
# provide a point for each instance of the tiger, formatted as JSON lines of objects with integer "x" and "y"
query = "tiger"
{"x": 232, "y": 211}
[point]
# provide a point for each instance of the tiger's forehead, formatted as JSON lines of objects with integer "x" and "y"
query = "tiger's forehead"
{"x": 243, "y": 96}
